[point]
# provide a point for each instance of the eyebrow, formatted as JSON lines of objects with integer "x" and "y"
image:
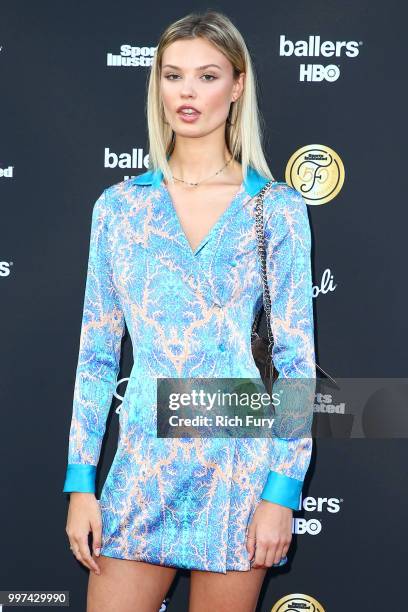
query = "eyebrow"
{"x": 198, "y": 68}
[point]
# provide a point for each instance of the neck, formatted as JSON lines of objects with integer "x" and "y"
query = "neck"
{"x": 196, "y": 159}
{"x": 199, "y": 168}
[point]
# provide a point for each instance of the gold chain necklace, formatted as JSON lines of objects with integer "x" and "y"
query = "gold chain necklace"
{"x": 206, "y": 179}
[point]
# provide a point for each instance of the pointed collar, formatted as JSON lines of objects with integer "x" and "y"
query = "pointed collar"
{"x": 253, "y": 181}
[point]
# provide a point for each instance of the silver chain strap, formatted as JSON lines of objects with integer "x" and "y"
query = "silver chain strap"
{"x": 260, "y": 235}
{"x": 266, "y": 296}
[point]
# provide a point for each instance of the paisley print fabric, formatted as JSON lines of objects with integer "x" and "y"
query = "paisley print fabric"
{"x": 187, "y": 502}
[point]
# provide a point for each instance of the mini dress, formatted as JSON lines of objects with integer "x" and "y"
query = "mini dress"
{"x": 187, "y": 502}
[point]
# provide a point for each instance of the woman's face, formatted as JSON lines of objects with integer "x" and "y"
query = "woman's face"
{"x": 194, "y": 73}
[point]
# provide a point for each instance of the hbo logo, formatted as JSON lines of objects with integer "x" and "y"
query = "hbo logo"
{"x": 302, "y": 526}
{"x": 317, "y": 72}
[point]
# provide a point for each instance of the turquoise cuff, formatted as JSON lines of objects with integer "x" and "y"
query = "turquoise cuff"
{"x": 283, "y": 490}
{"x": 80, "y": 478}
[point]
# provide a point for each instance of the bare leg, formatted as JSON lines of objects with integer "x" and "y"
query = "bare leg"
{"x": 126, "y": 586}
{"x": 231, "y": 592}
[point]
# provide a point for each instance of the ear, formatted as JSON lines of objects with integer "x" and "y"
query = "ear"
{"x": 238, "y": 87}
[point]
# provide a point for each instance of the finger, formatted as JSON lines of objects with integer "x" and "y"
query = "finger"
{"x": 285, "y": 546}
{"x": 90, "y": 561}
{"x": 96, "y": 537}
{"x": 260, "y": 555}
{"x": 274, "y": 554}
{"x": 75, "y": 547}
{"x": 74, "y": 550}
{"x": 85, "y": 554}
{"x": 250, "y": 542}
{"x": 282, "y": 550}
{"x": 270, "y": 557}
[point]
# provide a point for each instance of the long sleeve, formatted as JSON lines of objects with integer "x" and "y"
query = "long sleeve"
{"x": 101, "y": 333}
{"x": 288, "y": 260}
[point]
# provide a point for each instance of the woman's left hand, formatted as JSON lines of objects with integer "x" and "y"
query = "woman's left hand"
{"x": 269, "y": 534}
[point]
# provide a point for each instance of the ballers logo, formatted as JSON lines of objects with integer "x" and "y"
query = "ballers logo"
{"x": 297, "y": 601}
{"x": 313, "y": 47}
{"x": 135, "y": 159}
{"x": 317, "y": 172}
{"x": 5, "y": 268}
{"x": 313, "y": 526}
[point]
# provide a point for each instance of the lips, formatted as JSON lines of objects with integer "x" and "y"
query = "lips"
{"x": 188, "y": 110}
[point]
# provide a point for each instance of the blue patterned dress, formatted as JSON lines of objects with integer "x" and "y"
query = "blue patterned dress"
{"x": 187, "y": 502}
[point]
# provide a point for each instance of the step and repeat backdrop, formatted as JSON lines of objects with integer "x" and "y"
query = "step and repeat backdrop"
{"x": 332, "y": 91}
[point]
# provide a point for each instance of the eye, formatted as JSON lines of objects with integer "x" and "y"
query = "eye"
{"x": 169, "y": 77}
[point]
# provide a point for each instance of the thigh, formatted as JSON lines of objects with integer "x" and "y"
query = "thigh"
{"x": 231, "y": 592}
{"x": 126, "y": 586}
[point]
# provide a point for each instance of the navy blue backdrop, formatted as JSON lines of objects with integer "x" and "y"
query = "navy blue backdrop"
{"x": 70, "y": 106}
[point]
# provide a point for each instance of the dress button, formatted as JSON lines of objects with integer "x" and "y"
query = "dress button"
{"x": 221, "y": 346}
{"x": 233, "y": 263}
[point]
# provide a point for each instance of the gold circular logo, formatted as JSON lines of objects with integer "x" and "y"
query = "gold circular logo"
{"x": 296, "y": 602}
{"x": 317, "y": 172}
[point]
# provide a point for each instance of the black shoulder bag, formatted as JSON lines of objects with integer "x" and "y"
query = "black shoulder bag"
{"x": 261, "y": 345}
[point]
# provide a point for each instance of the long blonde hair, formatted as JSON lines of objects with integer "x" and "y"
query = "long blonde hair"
{"x": 243, "y": 127}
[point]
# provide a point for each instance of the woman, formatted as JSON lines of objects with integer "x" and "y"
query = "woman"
{"x": 173, "y": 255}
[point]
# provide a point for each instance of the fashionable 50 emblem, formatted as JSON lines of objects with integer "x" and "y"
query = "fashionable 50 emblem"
{"x": 297, "y": 601}
{"x": 317, "y": 172}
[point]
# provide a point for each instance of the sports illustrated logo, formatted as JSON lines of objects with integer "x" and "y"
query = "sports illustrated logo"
{"x": 6, "y": 172}
{"x": 326, "y": 284}
{"x": 317, "y": 172}
{"x": 5, "y": 268}
{"x": 131, "y": 57}
{"x": 313, "y": 526}
{"x": 136, "y": 159}
{"x": 313, "y": 47}
{"x": 324, "y": 404}
{"x": 297, "y": 601}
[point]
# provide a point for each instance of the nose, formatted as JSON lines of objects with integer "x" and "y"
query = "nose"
{"x": 187, "y": 87}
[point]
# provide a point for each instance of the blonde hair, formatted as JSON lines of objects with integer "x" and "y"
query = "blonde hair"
{"x": 243, "y": 128}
